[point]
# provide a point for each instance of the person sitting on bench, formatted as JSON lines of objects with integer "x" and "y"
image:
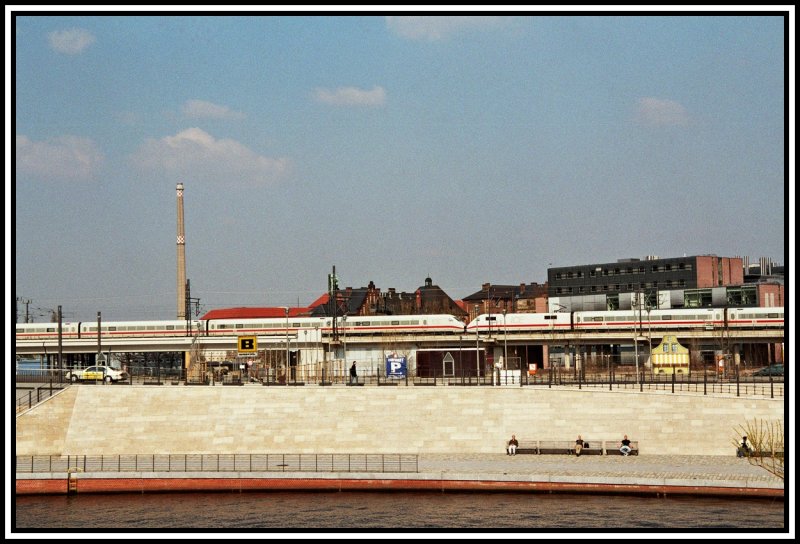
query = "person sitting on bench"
{"x": 511, "y": 447}
{"x": 625, "y": 446}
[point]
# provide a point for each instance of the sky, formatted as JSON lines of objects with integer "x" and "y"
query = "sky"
{"x": 464, "y": 148}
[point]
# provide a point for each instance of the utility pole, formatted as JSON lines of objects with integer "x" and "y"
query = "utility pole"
{"x": 26, "y": 302}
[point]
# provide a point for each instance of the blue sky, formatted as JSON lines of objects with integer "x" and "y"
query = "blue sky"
{"x": 468, "y": 149}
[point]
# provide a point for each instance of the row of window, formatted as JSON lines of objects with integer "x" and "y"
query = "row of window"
{"x": 631, "y": 317}
{"x": 572, "y": 274}
{"x": 307, "y": 325}
{"x": 617, "y": 286}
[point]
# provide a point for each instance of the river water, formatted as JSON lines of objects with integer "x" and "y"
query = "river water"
{"x": 392, "y": 511}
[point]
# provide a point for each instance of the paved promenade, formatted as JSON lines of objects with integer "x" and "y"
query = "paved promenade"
{"x": 709, "y": 471}
{"x": 648, "y": 475}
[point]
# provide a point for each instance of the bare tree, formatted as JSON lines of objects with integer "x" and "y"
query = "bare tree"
{"x": 765, "y": 439}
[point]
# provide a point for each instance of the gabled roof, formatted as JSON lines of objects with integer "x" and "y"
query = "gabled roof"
{"x": 348, "y": 303}
{"x": 249, "y": 312}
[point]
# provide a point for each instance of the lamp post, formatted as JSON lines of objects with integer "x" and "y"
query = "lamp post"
{"x": 344, "y": 340}
{"x": 460, "y": 366}
{"x": 505, "y": 346}
{"x": 477, "y": 353}
{"x": 477, "y": 358}
{"x": 286, "y": 310}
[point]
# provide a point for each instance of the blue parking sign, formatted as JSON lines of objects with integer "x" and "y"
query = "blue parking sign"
{"x": 395, "y": 366}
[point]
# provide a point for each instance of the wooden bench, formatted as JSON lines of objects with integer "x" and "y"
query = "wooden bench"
{"x": 567, "y": 447}
{"x": 611, "y": 447}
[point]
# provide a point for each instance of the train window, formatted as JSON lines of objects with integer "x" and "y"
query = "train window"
{"x": 295, "y": 324}
{"x": 666, "y": 318}
{"x": 239, "y": 326}
{"x": 553, "y": 317}
{"x": 150, "y": 327}
{"x": 395, "y": 322}
{"x": 112, "y": 328}
{"x": 774, "y": 316}
{"x": 51, "y": 329}
{"x": 170, "y": 327}
{"x": 598, "y": 318}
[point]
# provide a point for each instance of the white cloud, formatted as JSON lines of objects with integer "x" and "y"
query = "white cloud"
{"x": 433, "y": 28}
{"x": 66, "y": 157}
{"x": 200, "y": 109}
{"x": 351, "y": 96}
{"x": 70, "y": 42}
{"x": 193, "y": 154}
{"x": 660, "y": 112}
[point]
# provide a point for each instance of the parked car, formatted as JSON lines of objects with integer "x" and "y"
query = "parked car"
{"x": 104, "y": 373}
{"x": 772, "y": 370}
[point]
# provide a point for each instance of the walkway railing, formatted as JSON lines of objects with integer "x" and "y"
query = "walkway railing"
{"x": 234, "y": 462}
{"x": 28, "y": 398}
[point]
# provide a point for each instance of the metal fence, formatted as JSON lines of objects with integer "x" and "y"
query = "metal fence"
{"x": 234, "y": 462}
{"x": 29, "y": 397}
{"x": 697, "y": 382}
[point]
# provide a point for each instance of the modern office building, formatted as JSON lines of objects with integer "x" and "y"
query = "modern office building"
{"x": 680, "y": 282}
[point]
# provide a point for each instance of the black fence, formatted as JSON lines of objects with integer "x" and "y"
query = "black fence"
{"x": 234, "y": 462}
{"x": 28, "y": 397}
{"x": 696, "y": 381}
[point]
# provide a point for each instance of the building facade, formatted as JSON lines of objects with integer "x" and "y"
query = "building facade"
{"x": 696, "y": 281}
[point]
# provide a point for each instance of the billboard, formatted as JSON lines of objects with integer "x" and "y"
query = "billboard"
{"x": 395, "y": 366}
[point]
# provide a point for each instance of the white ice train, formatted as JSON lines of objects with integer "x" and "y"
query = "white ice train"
{"x": 598, "y": 321}
{"x": 315, "y": 328}
{"x": 321, "y": 328}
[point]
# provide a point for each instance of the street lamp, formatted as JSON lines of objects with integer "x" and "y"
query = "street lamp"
{"x": 344, "y": 340}
{"x": 286, "y": 310}
{"x": 477, "y": 353}
{"x": 477, "y": 358}
{"x": 460, "y": 365}
{"x": 505, "y": 346}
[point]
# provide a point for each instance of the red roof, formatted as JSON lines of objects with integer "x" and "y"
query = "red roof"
{"x": 249, "y": 312}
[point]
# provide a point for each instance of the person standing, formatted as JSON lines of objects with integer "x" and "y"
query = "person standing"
{"x": 578, "y": 446}
{"x": 625, "y": 446}
{"x": 353, "y": 374}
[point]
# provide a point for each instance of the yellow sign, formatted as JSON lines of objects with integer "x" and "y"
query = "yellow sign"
{"x": 248, "y": 344}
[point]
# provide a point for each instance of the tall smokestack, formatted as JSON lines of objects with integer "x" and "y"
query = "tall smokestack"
{"x": 181, "y": 257}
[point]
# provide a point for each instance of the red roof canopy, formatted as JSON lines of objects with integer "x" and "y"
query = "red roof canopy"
{"x": 248, "y": 312}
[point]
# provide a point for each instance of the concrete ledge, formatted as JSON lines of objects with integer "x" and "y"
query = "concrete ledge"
{"x": 238, "y": 481}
